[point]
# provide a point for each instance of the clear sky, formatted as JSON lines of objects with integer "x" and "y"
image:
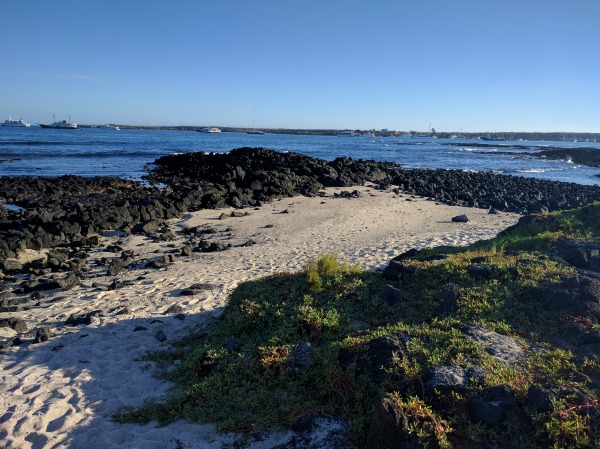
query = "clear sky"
{"x": 475, "y": 65}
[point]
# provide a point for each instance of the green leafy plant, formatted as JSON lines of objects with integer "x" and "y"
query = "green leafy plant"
{"x": 237, "y": 372}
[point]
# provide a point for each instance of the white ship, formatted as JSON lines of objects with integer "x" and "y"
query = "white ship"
{"x": 16, "y": 123}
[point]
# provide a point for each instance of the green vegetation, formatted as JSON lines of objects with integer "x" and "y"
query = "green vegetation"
{"x": 238, "y": 373}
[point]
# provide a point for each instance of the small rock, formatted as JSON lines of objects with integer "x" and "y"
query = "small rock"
{"x": 17, "y": 324}
{"x": 121, "y": 310}
{"x": 300, "y": 358}
{"x": 68, "y": 283}
{"x": 482, "y": 271}
{"x": 206, "y": 247}
{"x": 175, "y": 308}
{"x": 460, "y": 219}
{"x": 160, "y": 336}
{"x": 9, "y": 265}
{"x": 156, "y": 264}
{"x": 15, "y": 341}
{"x": 196, "y": 288}
{"x": 116, "y": 284}
{"x": 452, "y": 378}
{"x": 139, "y": 328}
{"x": 392, "y": 295}
{"x": 44, "y": 333}
{"x": 79, "y": 319}
{"x": 115, "y": 267}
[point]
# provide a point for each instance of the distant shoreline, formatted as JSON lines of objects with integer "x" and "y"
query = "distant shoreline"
{"x": 559, "y": 136}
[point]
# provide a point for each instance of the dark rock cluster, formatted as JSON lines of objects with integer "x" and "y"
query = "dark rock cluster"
{"x": 500, "y": 192}
{"x": 584, "y": 156}
{"x": 250, "y": 175}
{"x": 69, "y": 210}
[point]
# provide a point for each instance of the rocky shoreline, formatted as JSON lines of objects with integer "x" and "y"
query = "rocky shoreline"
{"x": 69, "y": 211}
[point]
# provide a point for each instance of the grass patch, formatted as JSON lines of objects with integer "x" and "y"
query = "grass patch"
{"x": 239, "y": 373}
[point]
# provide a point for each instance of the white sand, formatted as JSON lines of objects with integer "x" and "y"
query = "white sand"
{"x": 62, "y": 393}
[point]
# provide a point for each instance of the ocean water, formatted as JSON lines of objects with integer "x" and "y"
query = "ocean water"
{"x": 128, "y": 153}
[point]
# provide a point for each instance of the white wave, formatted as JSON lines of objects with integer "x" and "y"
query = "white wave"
{"x": 533, "y": 170}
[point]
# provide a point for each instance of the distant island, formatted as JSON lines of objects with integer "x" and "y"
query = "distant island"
{"x": 536, "y": 136}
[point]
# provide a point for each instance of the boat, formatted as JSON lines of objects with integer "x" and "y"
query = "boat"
{"x": 16, "y": 123}
{"x": 254, "y": 130}
{"x": 430, "y": 135}
{"x": 493, "y": 138}
{"x": 211, "y": 129}
{"x": 109, "y": 126}
{"x": 347, "y": 133}
{"x": 60, "y": 125}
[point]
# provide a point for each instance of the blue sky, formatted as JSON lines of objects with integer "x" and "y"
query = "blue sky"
{"x": 475, "y": 65}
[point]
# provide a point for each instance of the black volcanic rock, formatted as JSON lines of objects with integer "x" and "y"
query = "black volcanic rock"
{"x": 72, "y": 210}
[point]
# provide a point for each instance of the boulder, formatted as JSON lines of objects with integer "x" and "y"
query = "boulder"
{"x": 501, "y": 347}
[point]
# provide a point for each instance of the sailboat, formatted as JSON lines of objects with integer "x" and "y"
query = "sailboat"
{"x": 254, "y": 130}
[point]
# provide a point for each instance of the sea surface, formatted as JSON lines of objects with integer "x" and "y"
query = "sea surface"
{"x": 128, "y": 153}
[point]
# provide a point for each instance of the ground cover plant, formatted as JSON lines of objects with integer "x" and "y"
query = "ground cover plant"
{"x": 494, "y": 345}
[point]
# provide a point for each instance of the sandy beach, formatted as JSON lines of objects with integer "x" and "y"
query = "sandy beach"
{"x": 63, "y": 392}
